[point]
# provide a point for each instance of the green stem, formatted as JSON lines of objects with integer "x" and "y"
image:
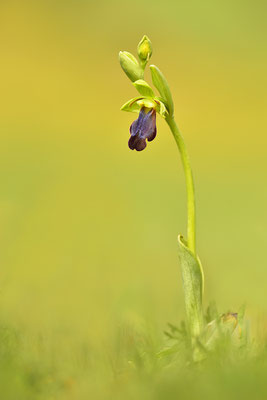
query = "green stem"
{"x": 191, "y": 208}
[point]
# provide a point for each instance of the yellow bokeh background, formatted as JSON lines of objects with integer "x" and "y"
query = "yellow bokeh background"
{"x": 88, "y": 228}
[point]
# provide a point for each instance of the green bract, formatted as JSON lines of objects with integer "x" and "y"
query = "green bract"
{"x": 131, "y": 66}
{"x": 162, "y": 85}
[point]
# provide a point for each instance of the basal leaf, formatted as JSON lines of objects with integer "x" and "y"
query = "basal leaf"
{"x": 193, "y": 283}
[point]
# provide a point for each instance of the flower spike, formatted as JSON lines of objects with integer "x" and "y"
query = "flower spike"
{"x": 144, "y": 129}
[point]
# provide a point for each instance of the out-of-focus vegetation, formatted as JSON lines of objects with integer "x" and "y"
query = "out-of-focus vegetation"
{"x": 130, "y": 365}
{"x": 89, "y": 273}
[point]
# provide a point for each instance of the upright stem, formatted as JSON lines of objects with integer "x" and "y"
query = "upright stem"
{"x": 191, "y": 208}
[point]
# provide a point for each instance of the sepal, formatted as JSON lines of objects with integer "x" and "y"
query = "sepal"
{"x": 143, "y": 88}
{"x": 132, "y": 105}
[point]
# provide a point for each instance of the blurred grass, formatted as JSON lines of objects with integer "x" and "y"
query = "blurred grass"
{"x": 88, "y": 229}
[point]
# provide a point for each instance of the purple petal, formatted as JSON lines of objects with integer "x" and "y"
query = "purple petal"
{"x": 142, "y": 129}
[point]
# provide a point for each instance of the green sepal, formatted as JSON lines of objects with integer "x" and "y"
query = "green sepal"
{"x": 193, "y": 283}
{"x": 161, "y": 84}
{"x": 132, "y": 105}
{"x": 161, "y": 108}
{"x": 143, "y": 88}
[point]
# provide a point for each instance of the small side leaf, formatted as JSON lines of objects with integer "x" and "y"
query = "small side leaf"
{"x": 192, "y": 276}
{"x": 143, "y": 88}
{"x": 161, "y": 84}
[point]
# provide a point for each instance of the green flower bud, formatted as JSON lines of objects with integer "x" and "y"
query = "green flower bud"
{"x": 144, "y": 49}
{"x": 130, "y": 66}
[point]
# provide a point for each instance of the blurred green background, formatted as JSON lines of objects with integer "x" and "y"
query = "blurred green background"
{"x": 88, "y": 228}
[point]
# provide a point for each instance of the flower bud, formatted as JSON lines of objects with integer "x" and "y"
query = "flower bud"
{"x": 130, "y": 66}
{"x": 144, "y": 49}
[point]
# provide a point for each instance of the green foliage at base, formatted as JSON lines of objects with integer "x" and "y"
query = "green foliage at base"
{"x": 139, "y": 363}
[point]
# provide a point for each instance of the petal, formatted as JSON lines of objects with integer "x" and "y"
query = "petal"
{"x": 140, "y": 145}
{"x": 146, "y": 102}
{"x": 142, "y": 129}
{"x": 153, "y": 135}
{"x": 133, "y": 128}
{"x": 131, "y": 142}
{"x": 136, "y": 143}
{"x": 161, "y": 108}
{"x": 148, "y": 124}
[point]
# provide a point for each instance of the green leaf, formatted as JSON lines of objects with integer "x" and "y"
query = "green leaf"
{"x": 161, "y": 84}
{"x": 167, "y": 351}
{"x": 193, "y": 283}
{"x": 132, "y": 105}
{"x": 143, "y": 88}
